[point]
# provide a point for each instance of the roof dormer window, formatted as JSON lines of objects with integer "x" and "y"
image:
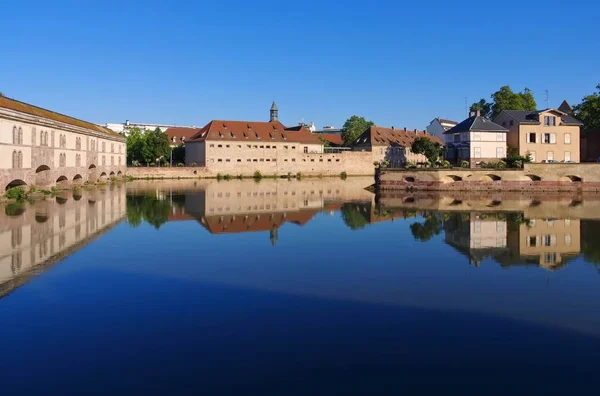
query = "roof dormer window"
{"x": 232, "y": 134}
{"x": 221, "y": 135}
{"x": 225, "y": 125}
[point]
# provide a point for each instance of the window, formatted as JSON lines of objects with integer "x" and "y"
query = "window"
{"x": 220, "y": 145}
{"x": 512, "y": 123}
{"x": 549, "y": 258}
{"x": 212, "y": 145}
{"x": 567, "y": 156}
{"x": 550, "y": 155}
{"x": 293, "y": 147}
{"x": 103, "y": 147}
{"x": 227, "y": 146}
{"x": 532, "y": 155}
{"x": 549, "y": 240}
{"x": 174, "y": 139}
{"x": 567, "y": 239}
{"x": 239, "y": 160}
{"x": 457, "y": 138}
{"x": 549, "y": 121}
{"x": 499, "y": 152}
{"x": 15, "y": 137}
{"x": 20, "y": 136}
{"x": 262, "y": 146}
{"x": 285, "y": 147}
{"x": 567, "y": 138}
{"x": 33, "y": 135}
{"x": 305, "y": 150}
{"x": 219, "y": 160}
{"x": 239, "y": 146}
{"x": 532, "y": 241}
{"x": 477, "y": 152}
{"x": 227, "y": 160}
{"x": 546, "y": 138}
{"x": 477, "y": 136}
{"x": 112, "y": 147}
{"x": 268, "y": 147}
{"x": 500, "y": 137}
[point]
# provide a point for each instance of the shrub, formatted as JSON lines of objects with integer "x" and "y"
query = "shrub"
{"x": 427, "y": 164}
{"x": 343, "y": 175}
{"x": 227, "y": 177}
{"x": 411, "y": 165}
{"x": 446, "y": 164}
{"x": 193, "y": 164}
{"x": 17, "y": 193}
{"x": 152, "y": 164}
{"x": 484, "y": 164}
{"x": 518, "y": 164}
{"x": 298, "y": 175}
{"x": 166, "y": 165}
{"x": 240, "y": 176}
{"x": 219, "y": 176}
{"x": 180, "y": 164}
{"x": 46, "y": 192}
{"x": 258, "y": 175}
{"x": 501, "y": 165}
{"x": 464, "y": 164}
{"x": 32, "y": 188}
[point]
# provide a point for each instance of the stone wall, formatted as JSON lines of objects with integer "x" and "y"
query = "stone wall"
{"x": 353, "y": 163}
{"x": 534, "y": 177}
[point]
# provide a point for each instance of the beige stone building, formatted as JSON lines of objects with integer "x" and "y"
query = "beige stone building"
{"x": 547, "y": 135}
{"x": 41, "y": 147}
{"x": 392, "y": 145}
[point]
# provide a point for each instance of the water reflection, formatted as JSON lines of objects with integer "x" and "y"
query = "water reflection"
{"x": 34, "y": 236}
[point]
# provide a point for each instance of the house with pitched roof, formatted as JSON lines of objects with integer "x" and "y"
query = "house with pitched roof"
{"x": 178, "y": 135}
{"x": 233, "y": 146}
{"x": 438, "y": 126}
{"x": 476, "y": 139}
{"x": 546, "y": 135}
{"x": 392, "y": 144}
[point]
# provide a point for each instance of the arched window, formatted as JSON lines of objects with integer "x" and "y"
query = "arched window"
{"x": 46, "y": 138}
{"x": 119, "y": 160}
{"x": 33, "y": 134}
{"x": 112, "y": 160}
{"x": 15, "y": 160}
{"x": 15, "y": 137}
{"x": 20, "y": 137}
{"x": 20, "y": 160}
{"x": 112, "y": 147}
{"x": 104, "y": 147}
{"x": 41, "y": 138}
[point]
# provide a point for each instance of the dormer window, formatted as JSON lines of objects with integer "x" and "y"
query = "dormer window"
{"x": 232, "y": 134}
{"x": 245, "y": 135}
{"x": 283, "y": 136}
{"x": 225, "y": 125}
{"x": 220, "y": 134}
{"x": 249, "y": 126}
{"x": 183, "y": 139}
{"x": 174, "y": 139}
{"x": 257, "y": 136}
{"x": 204, "y": 133}
{"x": 549, "y": 121}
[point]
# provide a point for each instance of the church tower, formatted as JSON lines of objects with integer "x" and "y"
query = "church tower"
{"x": 274, "y": 113}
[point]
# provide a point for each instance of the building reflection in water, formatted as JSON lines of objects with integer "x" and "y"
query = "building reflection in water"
{"x": 36, "y": 236}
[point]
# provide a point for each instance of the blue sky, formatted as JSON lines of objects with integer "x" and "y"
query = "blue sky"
{"x": 397, "y": 63}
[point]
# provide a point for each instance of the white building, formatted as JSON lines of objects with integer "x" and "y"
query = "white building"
{"x": 438, "y": 126}
{"x": 128, "y": 125}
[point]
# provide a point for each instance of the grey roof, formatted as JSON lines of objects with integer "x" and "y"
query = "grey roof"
{"x": 273, "y": 106}
{"x": 476, "y": 124}
{"x": 531, "y": 117}
{"x": 565, "y": 107}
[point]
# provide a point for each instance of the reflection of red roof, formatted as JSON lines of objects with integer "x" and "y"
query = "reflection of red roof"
{"x": 254, "y": 131}
{"x": 181, "y": 134}
{"x": 333, "y": 138}
{"x": 179, "y": 215}
{"x": 234, "y": 224}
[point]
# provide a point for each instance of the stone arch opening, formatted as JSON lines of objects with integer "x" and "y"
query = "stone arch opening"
{"x": 112, "y": 173}
{"x": 456, "y": 202}
{"x": 62, "y": 180}
{"x": 535, "y": 203}
{"x": 61, "y": 200}
{"x": 92, "y": 166}
{"x": 15, "y": 183}
{"x": 409, "y": 179}
{"x": 495, "y": 203}
{"x": 119, "y": 173}
{"x": 103, "y": 176}
{"x": 574, "y": 203}
{"x": 571, "y": 178}
{"x": 452, "y": 178}
{"x": 534, "y": 177}
{"x": 409, "y": 200}
{"x": 491, "y": 177}
{"x": 43, "y": 175}
{"x": 78, "y": 179}
{"x": 41, "y": 218}
{"x": 42, "y": 168}
{"x": 14, "y": 209}
{"x": 77, "y": 195}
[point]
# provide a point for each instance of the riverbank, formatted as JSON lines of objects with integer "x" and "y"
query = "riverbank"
{"x": 533, "y": 177}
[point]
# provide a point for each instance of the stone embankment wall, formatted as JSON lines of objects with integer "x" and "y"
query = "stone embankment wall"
{"x": 534, "y": 177}
{"x": 353, "y": 163}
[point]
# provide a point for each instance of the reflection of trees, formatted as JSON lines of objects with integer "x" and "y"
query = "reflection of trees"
{"x": 147, "y": 208}
{"x": 590, "y": 248}
{"x": 431, "y": 227}
{"x": 356, "y": 216}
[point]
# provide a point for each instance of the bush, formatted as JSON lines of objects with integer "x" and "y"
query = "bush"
{"x": 240, "y": 177}
{"x": 180, "y": 164}
{"x": 219, "y": 176}
{"x": 32, "y": 188}
{"x": 152, "y": 164}
{"x": 17, "y": 193}
{"x": 258, "y": 175}
{"x": 501, "y": 165}
{"x": 446, "y": 164}
{"x": 464, "y": 164}
{"x": 343, "y": 175}
{"x": 193, "y": 164}
{"x": 166, "y": 165}
{"x": 227, "y": 177}
{"x": 411, "y": 165}
{"x": 299, "y": 176}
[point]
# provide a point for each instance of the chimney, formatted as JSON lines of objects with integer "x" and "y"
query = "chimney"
{"x": 393, "y": 129}
{"x": 472, "y": 114}
{"x": 415, "y": 130}
{"x": 478, "y": 113}
{"x": 404, "y": 129}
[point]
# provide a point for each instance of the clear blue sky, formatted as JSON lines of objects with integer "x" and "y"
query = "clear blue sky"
{"x": 397, "y": 63}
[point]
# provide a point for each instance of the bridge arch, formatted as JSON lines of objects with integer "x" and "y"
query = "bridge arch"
{"x": 571, "y": 178}
{"x": 112, "y": 173}
{"x": 15, "y": 183}
{"x": 62, "y": 179}
{"x": 77, "y": 179}
{"x": 409, "y": 179}
{"x": 43, "y": 175}
{"x": 119, "y": 173}
{"x": 533, "y": 177}
{"x": 451, "y": 178}
{"x": 491, "y": 177}
{"x": 92, "y": 166}
{"x": 103, "y": 176}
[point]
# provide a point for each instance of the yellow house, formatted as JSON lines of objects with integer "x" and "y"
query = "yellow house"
{"x": 547, "y": 135}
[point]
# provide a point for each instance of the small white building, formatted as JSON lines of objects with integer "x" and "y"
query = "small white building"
{"x": 126, "y": 126}
{"x": 438, "y": 126}
{"x": 476, "y": 139}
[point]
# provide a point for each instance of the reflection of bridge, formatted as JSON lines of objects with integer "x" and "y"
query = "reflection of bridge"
{"x": 42, "y": 234}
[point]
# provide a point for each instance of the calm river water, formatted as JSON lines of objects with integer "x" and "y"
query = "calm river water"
{"x": 298, "y": 287}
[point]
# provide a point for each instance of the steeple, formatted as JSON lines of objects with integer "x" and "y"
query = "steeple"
{"x": 274, "y": 113}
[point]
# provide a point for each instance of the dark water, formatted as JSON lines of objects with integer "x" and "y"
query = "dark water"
{"x": 298, "y": 287}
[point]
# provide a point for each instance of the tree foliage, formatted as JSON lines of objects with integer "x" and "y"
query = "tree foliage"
{"x": 588, "y": 112}
{"x": 146, "y": 207}
{"x": 425, "y": 231}
{"x": 355, "y": 215}
{"x": 430, "y": 149}
{"x": 353, "y": 128}
{"x": 148, "y": 146}
{"x": 505, "y": 99}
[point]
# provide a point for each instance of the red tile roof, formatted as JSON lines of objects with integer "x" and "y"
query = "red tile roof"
{"x": 254, "y": 131}
{"x": 333, "y": 138}
{"x": 380, "y": 136}
{"x": 26, "y": 108}
{"x": 180, "y": 132}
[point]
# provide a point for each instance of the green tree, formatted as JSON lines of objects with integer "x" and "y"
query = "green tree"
{"x": 484, "y": 108}
{"x": 506, "y": 99}
{"x": 353, "y": 128}
{"x": 157, "y": 146}
{"x": 136, "y": 146}
{"x": 588, "y": 112}
{"x": 430, "y": 149}
{"x": 427, "y": 230}
{"x": 355, "y": 215}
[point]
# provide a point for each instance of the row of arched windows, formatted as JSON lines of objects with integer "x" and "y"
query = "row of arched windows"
{"x": 17, "y": 159}
{"x": 44, "y": 138}
{"x": 78, "y": 143}
{"x": 62, "y": 160}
